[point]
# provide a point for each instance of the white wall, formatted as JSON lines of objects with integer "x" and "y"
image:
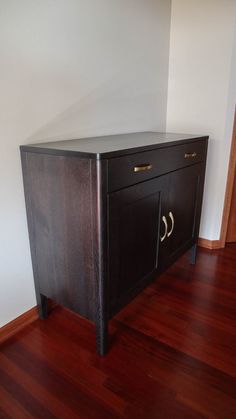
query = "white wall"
{"x": 202, "y": 89}
{"x": 70, "y": 68}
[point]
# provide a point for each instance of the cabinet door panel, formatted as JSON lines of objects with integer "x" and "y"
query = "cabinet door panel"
{"x": 182, "y": 211}
{"x": 134, "y": 219}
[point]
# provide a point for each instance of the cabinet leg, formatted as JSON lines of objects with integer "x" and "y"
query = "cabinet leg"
{"x": 102, "y": 338}
{"x": 193, "y": 254}
{"x": 43, "y": 306}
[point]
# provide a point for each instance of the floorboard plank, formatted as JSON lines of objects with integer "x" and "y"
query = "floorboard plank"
{"x": 172, "y": 353}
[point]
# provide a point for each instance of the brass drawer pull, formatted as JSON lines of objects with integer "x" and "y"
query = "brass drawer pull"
{"x": 190, "y": 155}
{"x": 142, "y": 168}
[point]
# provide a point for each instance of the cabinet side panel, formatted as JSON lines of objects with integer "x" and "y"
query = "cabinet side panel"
{"x": 59, "y": 210}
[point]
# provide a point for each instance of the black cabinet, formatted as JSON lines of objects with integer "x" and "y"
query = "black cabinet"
{"x": 133, "y": 240}
{"x": 180, "y": 213}
{"x": 107, "y": 215}
{"x": 150, "y": 225}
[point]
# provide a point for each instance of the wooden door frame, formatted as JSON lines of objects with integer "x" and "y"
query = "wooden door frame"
{"x": 229, "y": 187}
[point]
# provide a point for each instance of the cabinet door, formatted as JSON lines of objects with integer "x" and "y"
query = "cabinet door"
{"x": 182, "y": 212}
{"x": 134, "y": 220}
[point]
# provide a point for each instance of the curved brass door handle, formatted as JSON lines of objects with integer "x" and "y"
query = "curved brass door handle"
{"x": 162, "y": 238}
{"x": 172, "y": 225}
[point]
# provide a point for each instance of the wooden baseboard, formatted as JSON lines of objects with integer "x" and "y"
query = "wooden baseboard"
{"x": 17, "y": 324}
{"x": 20, "y": 322}
{"x": 210, "y": 244}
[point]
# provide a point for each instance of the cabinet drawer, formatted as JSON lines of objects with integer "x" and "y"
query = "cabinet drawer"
{"x": 138, "y": 167}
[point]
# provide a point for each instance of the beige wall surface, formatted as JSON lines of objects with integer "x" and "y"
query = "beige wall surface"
{"x": 76, "y": 68}
{"x": 70, "y": 68}
{"x": 202, "y": 90}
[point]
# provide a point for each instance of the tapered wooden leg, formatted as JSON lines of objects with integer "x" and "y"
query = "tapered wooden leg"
{"x": 193, "y": 254}
{"x": 42, "y": 306}
{"x": 102, "y": 337}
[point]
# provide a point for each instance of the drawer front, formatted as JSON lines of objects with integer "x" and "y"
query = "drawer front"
{"x": 138, "y": 167}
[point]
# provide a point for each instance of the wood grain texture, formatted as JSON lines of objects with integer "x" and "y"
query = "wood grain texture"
{"x": 59, "y": 207}
{"x": 21, "y": 321}
{"x": 172, "y": 353}
{"x": 83, "y": 257}
{"x": 17, "y": 324}
{"x": 121, "y": 169}
{"x": 134, "y": 220}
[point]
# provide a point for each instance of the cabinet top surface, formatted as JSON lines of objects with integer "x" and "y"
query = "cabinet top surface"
{"x": 111, "y": 145}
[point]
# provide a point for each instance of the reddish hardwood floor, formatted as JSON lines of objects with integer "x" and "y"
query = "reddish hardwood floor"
{"x": 173, "y": 354}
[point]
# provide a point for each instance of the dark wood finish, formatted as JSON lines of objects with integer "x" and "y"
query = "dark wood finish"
{"x": 100, "y": 254}
{"x": 183, "y": 203}
{"x": 134, "y": 220}
{"x": 163, "y": 160}
{"x": 193, "y": 254}
{"x": 172, "y": 353}
{"x": 111, "y": 145}
{"x": 59, "y": 201}
{"x": 92, "y": 249}
{"x": 43, "y": 307}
